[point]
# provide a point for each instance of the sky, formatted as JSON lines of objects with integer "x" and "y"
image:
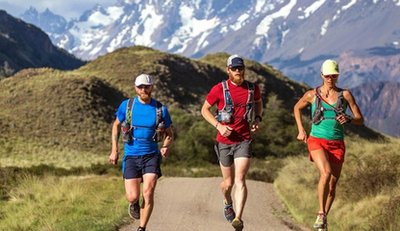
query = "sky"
{"x": 66, "y": 8}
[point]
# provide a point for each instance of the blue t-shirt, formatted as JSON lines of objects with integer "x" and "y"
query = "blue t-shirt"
{"x": 143, "y": 123}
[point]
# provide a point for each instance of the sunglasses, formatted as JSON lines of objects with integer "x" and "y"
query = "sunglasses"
{"x": 143, "y": 86}
{"x": 236, "y": 68}
{"x": 331, "y": 76}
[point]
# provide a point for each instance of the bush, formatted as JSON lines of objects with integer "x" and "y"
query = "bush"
{"x": 370, "y": 173}
{"x": 277, "y": 134}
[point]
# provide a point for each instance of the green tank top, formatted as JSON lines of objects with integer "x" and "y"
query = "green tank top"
{"x": 328, "y": 128}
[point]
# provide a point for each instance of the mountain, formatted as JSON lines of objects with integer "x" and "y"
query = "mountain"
{"x": 294, "y": 36}
{"x": 379, "y": 102}
{"x": 23, "y": 45}
{"x": 49, "y": 22}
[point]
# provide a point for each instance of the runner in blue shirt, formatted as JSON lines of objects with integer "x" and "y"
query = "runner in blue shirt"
{"x": 143, "y": 122}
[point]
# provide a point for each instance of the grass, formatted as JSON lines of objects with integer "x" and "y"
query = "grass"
{"x": 64, "y": 203}
{"x": 27, "y": 153}
{"x": 368, "y": 195}
{"x": 68, "y": 198}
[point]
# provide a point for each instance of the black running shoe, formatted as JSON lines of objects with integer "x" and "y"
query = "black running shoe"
{"x": 134, "y": 210}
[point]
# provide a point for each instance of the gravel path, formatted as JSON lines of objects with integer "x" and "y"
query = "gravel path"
{"x": 195, "y": 204}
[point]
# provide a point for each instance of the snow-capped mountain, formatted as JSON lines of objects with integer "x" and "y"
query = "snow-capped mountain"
{"x": 294, "y": 36}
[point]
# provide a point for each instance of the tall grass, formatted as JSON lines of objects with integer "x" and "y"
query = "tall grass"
{"x": 27, "y": 153}
{"x": 368, "y": 195}
{"x": 64, "y": 203}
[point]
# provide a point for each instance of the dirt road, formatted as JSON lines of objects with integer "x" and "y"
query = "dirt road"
{"x": 195, "y": 204}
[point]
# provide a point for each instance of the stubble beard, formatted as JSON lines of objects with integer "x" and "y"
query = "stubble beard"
{"x": 237, "y": 80}
{"x": 145, "y": 97}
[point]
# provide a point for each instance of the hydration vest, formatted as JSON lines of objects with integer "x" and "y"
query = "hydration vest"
{"x": 319, "y": 110}
{"x": 159, "y": 129}
{"x": 228, "y": 103}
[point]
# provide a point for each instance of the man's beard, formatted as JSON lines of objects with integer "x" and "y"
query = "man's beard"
{"x": 145, "y": 97}
{"x": 236, "y": 81}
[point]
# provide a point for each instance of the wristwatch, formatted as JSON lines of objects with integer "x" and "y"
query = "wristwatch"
{"x": 258, "y": 117}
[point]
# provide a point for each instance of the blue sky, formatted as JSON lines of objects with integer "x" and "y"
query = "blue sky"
{"x": 66, "y": 8}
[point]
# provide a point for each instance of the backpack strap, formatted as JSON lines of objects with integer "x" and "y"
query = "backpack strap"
{"x": 128, "y": 113}
{"x": 228, "y": 104}
{"x": 340, "y": 101}
{"x": 248, "y": 115}
{"x": 159, "y": 117}
{"x": 159, "y": 133}
{"x": 318, "y": 114}
{"x": 129, "y": 110}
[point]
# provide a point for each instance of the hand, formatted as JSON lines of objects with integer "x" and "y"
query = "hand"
{"x": 224, "y": 130}
{"x": 164, "y": 150}
{"x": 302, "y": 136}
{"x": 113, "y": 157}
{"x": 254, "y": 127}
{"x": 343, "y": 118}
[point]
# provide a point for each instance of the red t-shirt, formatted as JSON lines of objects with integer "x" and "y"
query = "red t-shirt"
{"x": 239, "y": 94}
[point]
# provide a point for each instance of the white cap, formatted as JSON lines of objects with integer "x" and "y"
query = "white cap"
{"x": 235, "y": 61}
{"x": 143, "y": 79}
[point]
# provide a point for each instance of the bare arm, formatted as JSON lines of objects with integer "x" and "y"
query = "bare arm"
{"x": 258, "y": 110}
{"x": 300, "y": 105}
{"x": 224, "y": 130}
{"x": 358, "y": 118}
{"x": 115, "y": 132}
{"x": 169, "y": 137}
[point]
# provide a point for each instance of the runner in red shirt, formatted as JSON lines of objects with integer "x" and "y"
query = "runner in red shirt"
{"x": 234, "y": 133}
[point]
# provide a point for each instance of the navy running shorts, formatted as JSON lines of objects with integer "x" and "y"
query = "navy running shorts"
{"x": 226, "y": 153}
{"x": 137, "y": 166}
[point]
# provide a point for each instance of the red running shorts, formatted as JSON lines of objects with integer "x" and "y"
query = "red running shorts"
{"x": 334, "y": 148}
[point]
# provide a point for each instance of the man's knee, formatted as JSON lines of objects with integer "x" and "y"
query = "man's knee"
{"x": 132, "y": 197}
{"x": 227, "y": 184}
{"x": 149, "y": 188}
{"x": 240, "y": 182}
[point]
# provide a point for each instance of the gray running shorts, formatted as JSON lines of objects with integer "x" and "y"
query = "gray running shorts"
{"x": 226, "y": 153}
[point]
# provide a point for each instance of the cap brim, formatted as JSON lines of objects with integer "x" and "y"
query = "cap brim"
{"x": 331, "y": 73}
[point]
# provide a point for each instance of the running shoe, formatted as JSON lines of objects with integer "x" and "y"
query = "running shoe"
{"x": 237, "y": 224}
{"x": 141, "y": 229}
{"x": 134, "y": 210}
{"x": 229, "y": 213}
{"x": 320, "y": 222}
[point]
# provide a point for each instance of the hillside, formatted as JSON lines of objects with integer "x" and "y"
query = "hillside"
{"x": 56, "y": 108}
{"x": 23, "y": 45}
{"x": 76, "y": 108}
{"x": 380, "y": 101}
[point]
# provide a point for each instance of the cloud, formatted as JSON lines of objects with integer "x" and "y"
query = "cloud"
{"x": 68, "y": 9}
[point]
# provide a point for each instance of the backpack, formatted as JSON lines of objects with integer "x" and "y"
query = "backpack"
{"x": 127, "y": 124}
{"x": 226, "y": 114}
{"x": 318, "y": 114}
